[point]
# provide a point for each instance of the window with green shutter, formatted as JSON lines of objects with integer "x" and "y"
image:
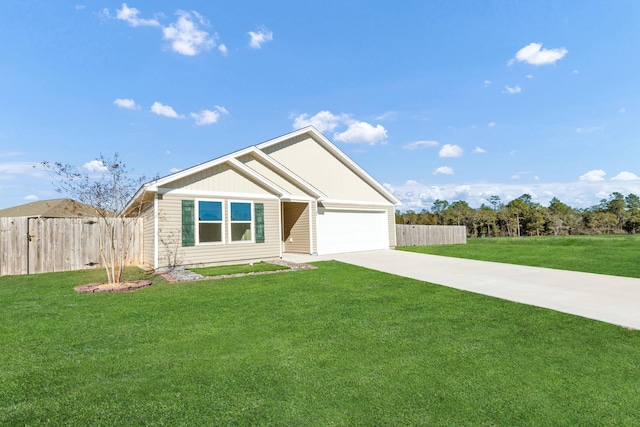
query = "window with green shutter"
{"x": 188, "y": 223}
{"x": 259, "y": 220}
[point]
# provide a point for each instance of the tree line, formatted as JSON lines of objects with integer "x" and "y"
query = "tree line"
{"x": 524, "y": 217}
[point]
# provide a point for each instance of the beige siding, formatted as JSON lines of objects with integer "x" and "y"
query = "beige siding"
{"x": 296, "y": 225}
{"x": 273, "y": 176}
{"x": 314, "y": 229}
{"x": 170, "y": 229}
{"x": 218, "y": 178}
{"x": 148, "y": 248}
{"x": 308, "y": 159}
{"x": 391, "y": 218}
{"x": 391, "y": 215}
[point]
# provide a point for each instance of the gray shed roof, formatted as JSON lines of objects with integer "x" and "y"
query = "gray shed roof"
{"x": 56, "y": 208}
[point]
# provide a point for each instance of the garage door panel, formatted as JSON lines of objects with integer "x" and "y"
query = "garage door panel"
{"x": 351, "y": 231}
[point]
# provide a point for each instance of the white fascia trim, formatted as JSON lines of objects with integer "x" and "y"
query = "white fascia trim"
{"x": 297, "y": 199}
{"x": 285, "y": 137}
{"x": 357, "y": 169}
{"x": 318, "y": 136}
{"x": 292, "y": 176}
{"x": 357, "y": 203}
{"x": 198, "y": 168}
{"x": 261, "y": 179}
{"x": 216, "y": 194}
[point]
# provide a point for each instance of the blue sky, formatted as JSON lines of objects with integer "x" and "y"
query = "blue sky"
{"x": 435, "y": 99}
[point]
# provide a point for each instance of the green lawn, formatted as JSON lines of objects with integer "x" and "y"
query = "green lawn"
{"x": 340, "y": 345}
{"x": 221, "y": 270}
{"x": 618, "y": 255}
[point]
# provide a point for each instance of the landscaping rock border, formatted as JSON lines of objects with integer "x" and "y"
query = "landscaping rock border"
{"x": 113, "y": 287}
{"x": 181, "y": 274}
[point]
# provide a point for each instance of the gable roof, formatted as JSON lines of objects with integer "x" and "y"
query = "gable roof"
{"x": 55, "y": 208}
{"x": 258, "y": 152}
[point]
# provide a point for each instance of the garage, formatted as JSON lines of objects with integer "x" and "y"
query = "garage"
{"x": 351, "y": 230}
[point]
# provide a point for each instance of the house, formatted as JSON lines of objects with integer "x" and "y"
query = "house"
{"x": 294, "y": 194}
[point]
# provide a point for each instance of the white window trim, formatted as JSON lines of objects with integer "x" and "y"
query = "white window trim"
{"x": 253, "y": 226}
{"x": 197, "y": 220}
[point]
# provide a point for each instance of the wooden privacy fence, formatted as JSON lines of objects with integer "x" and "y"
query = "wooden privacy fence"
{"x": 43, "y": 245}
{"x": 420, "y": 235}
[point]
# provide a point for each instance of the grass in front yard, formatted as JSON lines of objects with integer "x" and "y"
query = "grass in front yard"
{"x": 617, "y": 255}
{"x": 340, "y": 345}
{"x": 221, "y": 270}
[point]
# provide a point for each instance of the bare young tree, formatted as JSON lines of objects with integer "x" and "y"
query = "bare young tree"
{"x": 108, "y": 187}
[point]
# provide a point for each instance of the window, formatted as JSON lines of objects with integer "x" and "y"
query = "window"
{"x": 241, "y": 223}
{"x": 210, "y": 219}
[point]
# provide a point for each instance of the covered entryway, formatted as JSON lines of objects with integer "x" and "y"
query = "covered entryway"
{"x": 341, "y": 231}
{"x": 296, "y": 228}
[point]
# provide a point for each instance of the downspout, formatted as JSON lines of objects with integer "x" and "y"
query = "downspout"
{"x": 155, "y": 231}
{"x": 311, "y": 227}
{"x": 281, "y": 226}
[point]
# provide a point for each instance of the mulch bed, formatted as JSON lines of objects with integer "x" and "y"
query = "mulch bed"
{"x": 113, "y": 287}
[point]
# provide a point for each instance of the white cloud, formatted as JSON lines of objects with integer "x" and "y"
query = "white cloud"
{"x": 185, "y": 36}
{"x": 164, "y": 110}
{"x": 491, "y": 124}
{"x": 593, "y": 175}
{"x": 79, "y": 7}
{"x": 529, "y": 76}
{"x": 130, "y": 15}
{"x": 221, "y": 109}
{"x": 208, "y": 117}
{"x": 323, "y": 121}
{"x": 625, "y": 176}
{"x": 487, "y": 83}
{"x": 223, "y": 49}
{"x": 419, "y": 144}
{"x": 356, "y": 132}
{"x": 259, "y": 37}
{"x": 388, "y": 115}
{"x": 10, "y": 153}
{"x": 443, "y": 170}
{"x": 449, "y": 150}
{"x": 411, "y": 182}
{"x": 579, "y": 194}
{"x": 534, "y": 54}
{"x": 7, "y": 170}
{"x": 95, "y": 166}
{"x": 590, "y": 129}
{"x": 129, "y": 104}
{"x": 622, "y": 110}
{"x": 512, "y": 90}
{"x": 479, "y": 150}
{"x": 31, "y": 197}
{"x": 362, "y": 132}
{"x": 174, "y": 170}
{"x": 576, "y": 72}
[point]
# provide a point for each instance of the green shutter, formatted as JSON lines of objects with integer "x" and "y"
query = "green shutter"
{"x": 259, "y": 211}
{"x": 188, "y": 223}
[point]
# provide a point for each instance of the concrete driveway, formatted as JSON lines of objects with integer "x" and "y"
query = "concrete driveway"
{"x": 610, "y": 299}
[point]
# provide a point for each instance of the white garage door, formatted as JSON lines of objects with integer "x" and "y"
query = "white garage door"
{"x": 351, "y": 231}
